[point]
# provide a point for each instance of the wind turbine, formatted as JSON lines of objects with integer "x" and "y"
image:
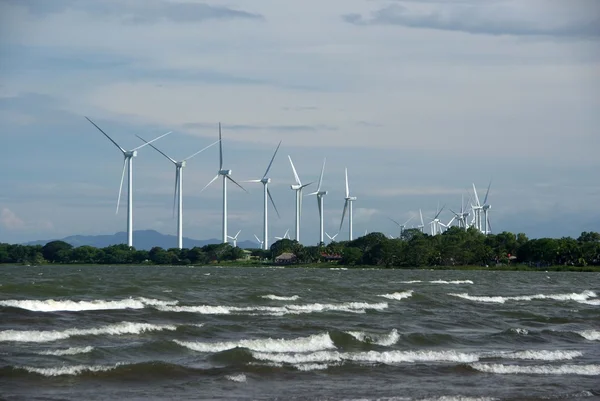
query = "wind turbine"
{"x": 128, "y": 162}
{"x": 226, "y": 176}
{"x": 267, "y": 194}
{"x": 285, "y": 236}
{"x": 259, "y": 241}
{"x": 476, "y": 211}
{"x": 298, "y": 187}
{"x": 348, "y": 206}
{"x": 332, "y": 238}
{"x": 462, "y": 216}
{"x": 422, "y": 225}
{"x": 235, "y": 238}
{"x": 401, "y": 226}
{"x": 436, "y": 225}
{"x": 320, "y": 201}
{"x": 178, "y": 194}
{"x": 486, "y": 207}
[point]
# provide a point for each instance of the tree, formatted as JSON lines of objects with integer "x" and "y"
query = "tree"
{"x": 52, "y": 249}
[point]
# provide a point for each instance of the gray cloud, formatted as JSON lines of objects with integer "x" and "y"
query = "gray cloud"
{"x": 139, "y": 11}
{"x": 265, "y": 127}
{"x": 492, "y": 18}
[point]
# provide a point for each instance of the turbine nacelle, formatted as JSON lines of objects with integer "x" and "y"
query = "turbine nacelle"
{"x": 225, "y": 172}
{"x": 130, "y": 153}
{"x": 350, "y": 198}
{"x": 265, "y": 180}
{"x": 296, "y": 187}
{"x": 180, "y": 164}
{"x": 323, "y": 193}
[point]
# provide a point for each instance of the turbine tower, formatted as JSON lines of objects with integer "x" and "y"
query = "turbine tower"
{"x": 127, "y": 163}
{"x": 320, "y": 203}
{"x": 235, "y": 238}
{"x": 401, "y": 226}
{"x": 267, "y": 194}
{"x": 436, "y": 225}
{"x": 226, "y": 176}
{"x": 178, "y": 194}
{"x": 348, "y": 206}
{"x": 298, "y": 187}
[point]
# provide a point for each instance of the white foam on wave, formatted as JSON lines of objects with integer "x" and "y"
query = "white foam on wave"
{"x": 387, "y": 357}
{"x": 386, "y": 340}
{"x": 239, "y": 378}
{"x": 539, "y": 355}
{"x": 352, "y": 307}
{"x": 280, "y": 298}
{"x": 592, "y": 335}
{"x": 68, "y": 351}
{"x": 520, "y": 331}
{"x": 311, "y": 366}
{"x": 69, "y": 370}
{"x": 51, "y": 305}
{"x": 411, "y": 281}
{"x": 586, "y": 370}
{"x": 398, "y": 295}
{"x": 582, "y": 297}
{"x": 301, "y": 344}
{"x": 451, "y": 282}
{"x": 40, "y": 336}
{"x": 458, "y": 398}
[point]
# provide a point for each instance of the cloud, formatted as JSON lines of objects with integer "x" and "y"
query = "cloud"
{"x": 10, "y": 221}
{"x": 578, "y": 18}
{"x": 265, "y": 127}
{"x": 139, "y": 11}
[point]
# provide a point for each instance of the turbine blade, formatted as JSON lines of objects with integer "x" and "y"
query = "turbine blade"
{"x": 220, "y": 149}
{"x": 238, "y": 233}
{"x": 121, "y": 186}
{"x": 347, "y": 189}
{"x": 149, "y": 142}
{"x": 476, "y": 197}
{"x": 200, "y": 151}
{"x": 258, "y": 239}
{"x": 235, "y": 182}
{"x": 421, "y": 214}
{"x": 329, "y": 236}
{"x": 305, "y": 185}
{"x": 273, "y": 202}
{"x": 211, "y": 181}
{"x": 158, "y": 150}
{"x": 295, "y": 172}
{"x": 487, "y": 193}
{"x": 273, "y": 158}
{"x": 344, "y": 213}
{"x": 406, "y": 222}
{"x": 321, "y": 176}
{"x": 105, "y": 134}
{"x": 398, "y": 224}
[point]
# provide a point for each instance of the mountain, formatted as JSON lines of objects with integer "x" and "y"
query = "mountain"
{"x": 142, "y": 239}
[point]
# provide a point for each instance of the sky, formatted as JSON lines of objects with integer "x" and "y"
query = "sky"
{"x": 418, "y": 99}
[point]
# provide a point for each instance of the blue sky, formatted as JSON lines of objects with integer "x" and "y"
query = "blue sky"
{"x": 418, "y": 99}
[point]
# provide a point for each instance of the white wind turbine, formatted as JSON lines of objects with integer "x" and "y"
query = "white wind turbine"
{"x": 348, "y": 206}
{"x": 234, "y": 238}
{"x": 226, "y": 176}
{"x": 332, "y": 238}
{"x": 401, "y": 226}
{"x": 436, "y": 225}
{"x": 285, "y": 236}
{"x": 127, "y": 163}
{"x": 320, "y": 202}
{"x": 476, "y": 221}
{"x": 422, "y": 225}
{"x": 178, "y": 194}
{"x": 260, "y": 242}
{"x": 267, "y": 194}
{"x": 486, "y": 207}
{"x": 298, "y": 187}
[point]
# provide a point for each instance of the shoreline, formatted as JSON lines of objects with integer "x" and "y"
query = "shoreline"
{"x": 555, "y": 268}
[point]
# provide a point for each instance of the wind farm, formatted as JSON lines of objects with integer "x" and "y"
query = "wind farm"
{"x": 473, "y": 214}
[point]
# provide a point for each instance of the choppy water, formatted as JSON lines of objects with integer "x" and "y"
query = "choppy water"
{"x": 96, "y": 333}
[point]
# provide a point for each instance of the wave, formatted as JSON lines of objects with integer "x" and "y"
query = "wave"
{"x": 582, "y": 297}
{"x": 280, "y": 298}
{"x": 352, "y": 307}
{"x": 40, "y": 336}
{"x": 240, "y": 378}
{"x": 380, "y": 339}
{"x": 398, "y": 295}
{"x": 301, "y": 344}
{"x": 438, "y": 282}
{"x": 51, "y": 305}
{"x": 586, "y": 370}
{"x": 592, "y": 335}
{"x": 540, "y": 355}
{"x": 68, "y": 351}
{"x": 69, "y": 370}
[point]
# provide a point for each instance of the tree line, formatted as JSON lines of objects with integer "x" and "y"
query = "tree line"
{"x": 455, "y": 247}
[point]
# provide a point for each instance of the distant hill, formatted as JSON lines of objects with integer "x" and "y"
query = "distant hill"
{"x": 142, "y": 239}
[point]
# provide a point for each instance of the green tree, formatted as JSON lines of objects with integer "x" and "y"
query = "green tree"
{"x": 52, "y": 249}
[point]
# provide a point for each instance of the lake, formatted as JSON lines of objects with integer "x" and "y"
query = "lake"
{"x": 189, "y": 333}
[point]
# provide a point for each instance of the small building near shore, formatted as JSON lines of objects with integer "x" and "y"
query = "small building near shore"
{"x": 285, "y": 258}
